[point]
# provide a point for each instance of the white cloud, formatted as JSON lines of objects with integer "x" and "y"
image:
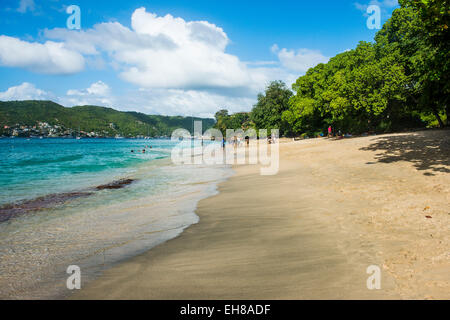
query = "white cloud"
{"x": 49, "y": 58}
{"x": 99, "y": 93}
{"x": 110, "y": 37}
{"x": 26, "y": 5}
{"x": 98, "y": 88}
{"x": 274, "y": 48}
{"x": 167, "y": 52}
{"x": 155, "y": 101}
{"x": 300, "y": 60}
{"x": 178, "y": 67}
{"x": 184, "y": 102}
{"x": 150, "y": 101}
{"x": 25, "y": 91}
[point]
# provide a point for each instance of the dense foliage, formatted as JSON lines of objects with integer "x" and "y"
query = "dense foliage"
{"x": 399, "y": 81}
{"x": 107, "y": 121}
{"x": 266, "y": 112}
{"x": 270, "y": 106}
{"x": 235, "y": 121}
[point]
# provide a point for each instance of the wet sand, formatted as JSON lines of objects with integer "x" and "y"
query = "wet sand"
{"x": 311, "y": 231}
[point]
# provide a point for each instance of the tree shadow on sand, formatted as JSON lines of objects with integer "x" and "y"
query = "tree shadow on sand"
{"x": 427, "y": 150}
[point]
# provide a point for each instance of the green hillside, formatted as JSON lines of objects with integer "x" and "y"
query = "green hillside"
{"x": 104, "y": 121}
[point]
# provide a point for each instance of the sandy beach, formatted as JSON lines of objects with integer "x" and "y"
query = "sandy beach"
{"x": 310, "y": 232}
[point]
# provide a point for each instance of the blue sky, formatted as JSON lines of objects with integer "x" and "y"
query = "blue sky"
{"x": 171, "y": 57}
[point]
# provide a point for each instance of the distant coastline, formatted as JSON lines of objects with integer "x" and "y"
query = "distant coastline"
{"x": 35, "y": 118}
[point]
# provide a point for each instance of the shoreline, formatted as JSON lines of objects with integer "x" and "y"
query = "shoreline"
{"x": 311, "y": 236}
{"x": 215, "y": 284}
{"x": 103, "y": 231}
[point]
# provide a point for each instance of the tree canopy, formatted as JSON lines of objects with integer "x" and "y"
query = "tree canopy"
{"x": 393, "y": 83}
{"x": 267, "y": 112}
{"x": 399, "y": 81}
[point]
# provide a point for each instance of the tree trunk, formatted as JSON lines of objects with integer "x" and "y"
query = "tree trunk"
{"x": 447, "y": 112}
{"x": 436, "y": 114}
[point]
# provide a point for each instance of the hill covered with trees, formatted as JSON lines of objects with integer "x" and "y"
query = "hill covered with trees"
{"x": 22, "y": 115}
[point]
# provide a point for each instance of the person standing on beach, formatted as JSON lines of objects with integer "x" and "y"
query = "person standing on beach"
{"x": 330, "y": 132}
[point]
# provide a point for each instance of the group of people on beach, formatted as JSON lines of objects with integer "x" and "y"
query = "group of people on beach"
{"x": 237, "y": 141}
{"x": 332, "y": 134}
{"x": 338, "y": 134}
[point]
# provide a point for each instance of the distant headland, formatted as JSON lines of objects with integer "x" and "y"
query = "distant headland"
{"x": 35, "y": 118}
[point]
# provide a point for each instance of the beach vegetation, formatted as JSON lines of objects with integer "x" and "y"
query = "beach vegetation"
{"x": 397, "y": 82}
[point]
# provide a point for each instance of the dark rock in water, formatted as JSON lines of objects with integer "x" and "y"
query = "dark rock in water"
{"x": 51, "y": 201}
{"x": 119, "y": 184}
{"x": 46, "y": 202}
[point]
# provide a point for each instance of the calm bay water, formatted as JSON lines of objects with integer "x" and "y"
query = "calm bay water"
{"x": 97, "y": 231}
{"x": 35, "y": 167}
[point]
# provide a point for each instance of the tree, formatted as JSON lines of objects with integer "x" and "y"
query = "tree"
{"x": 399, "y": 81}
{"x": 418, "y": 31}
{"x": 267, "y": 112}
{"x": 240, "y": 120}
{"x": 222, "y": 120}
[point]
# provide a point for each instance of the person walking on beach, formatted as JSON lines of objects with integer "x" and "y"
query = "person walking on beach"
{"x": 330, "y": 132}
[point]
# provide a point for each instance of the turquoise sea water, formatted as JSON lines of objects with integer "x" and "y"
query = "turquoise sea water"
{"x": 99, "y": 230}
{"x": 36, "y": 167}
